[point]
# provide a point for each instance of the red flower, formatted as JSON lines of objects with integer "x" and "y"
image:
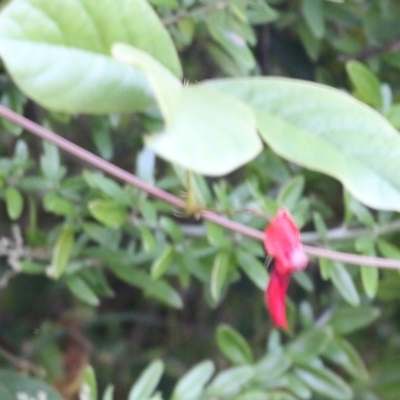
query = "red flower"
{"x": 282, "y": 241}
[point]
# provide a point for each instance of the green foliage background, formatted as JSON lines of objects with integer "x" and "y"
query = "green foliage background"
{"x": 161, "y": 304}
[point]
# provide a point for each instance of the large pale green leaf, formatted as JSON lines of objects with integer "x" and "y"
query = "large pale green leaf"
{"x": 212, "y": 134}
{"x": 326, "y": 130}
{"x": 165, "y": 85}
{"x": 59, "y": 52}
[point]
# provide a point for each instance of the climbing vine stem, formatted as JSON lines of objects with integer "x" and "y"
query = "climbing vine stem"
{"x": 175, "y": 201}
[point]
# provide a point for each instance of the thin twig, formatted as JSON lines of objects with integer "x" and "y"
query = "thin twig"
{"x": 194, "y": 13}
{"x": 131, "y": 179}
{"x": 21, "y": 364}
{"x": 389, "y": 47}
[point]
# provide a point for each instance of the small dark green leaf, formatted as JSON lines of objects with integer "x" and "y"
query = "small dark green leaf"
{"x": 162, "y": 262}
{"x": 228, "y": 382}
{"x": 88, "y": 389}
{"x": 191, "y": 385}
{"x": 147, "y": 382}
{"x": 14, "y": 203}
{"x": 309, "y": 344}
{"x": 108, "y": 186}
{"x": 219, "y": 274}
{"x": 61, "y": 253}
{"x": 366, "y": 84}
{"x": 157, "y": 289}
{"x": 253, "y": 268}
{"x": 172, "y": 229}
{"x": 314, "y": 16}
{"x": 325, "y": 382}
{"x": 216, "y": 236}
{"x": 50, "y": 163}
{"x": 348, "y": 319}
{"x": 291, "y": 192}
{"x": 343, "y": 282}
{"x": 342, "y": 353}
{"x": 59, "y": 206}
{"x": 108, "y": 212}
{"x": 233, "y": 345}
{"x": 272, "y": 366}
{"x": 81, "y": 290}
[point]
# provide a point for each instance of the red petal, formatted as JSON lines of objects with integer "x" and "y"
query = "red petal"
{"x": 282, "y": 241}
{"x": 275, "y": 296}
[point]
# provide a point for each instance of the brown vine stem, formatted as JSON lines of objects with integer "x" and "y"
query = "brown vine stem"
{"x": 154, "y": 191}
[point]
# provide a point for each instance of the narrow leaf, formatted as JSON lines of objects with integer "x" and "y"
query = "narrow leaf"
{"x": 162, "y": 262}
{"x": 348, "y": 319}
{"x": 233, "y": 345}
{"x": 219, "y": 274}
{"x": 147, "y": 382}
{"x": 191, "y": 385}
{"x": 14, "y": 203}
{"x": 343, "y": 282}
{"x": 61, "y": 253}
{"x": 325, "y": 382}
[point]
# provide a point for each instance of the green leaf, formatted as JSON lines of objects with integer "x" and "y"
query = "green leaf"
{"x": 314, "y": 16}
{"x": 157, "y": 289}
{"x": 388, "y": 250}
{"x": 253, "y": 268}
{"x": 147, "y": 239}
{"x": 61, "y": 253}
{"x": 166, "y": 86}
{"x": 50, "y": 161}
{"x": 59, "y": 206}
{"x": 343, "y": 282}
{"x": 369, "y": 275}
{"x": 219, "y": 274}
{"x": 15, "y": 385}
{"x": 325, "y": 382}
{"x": 147, "y": 382}
{"x": 213, "y": 134}
{"x": 290, "y": 193}
{"x": 298, "y": 387}
{"x": 97, "y": 180}
{"x": 342, "y": 353}
{"x": 272, "y": 366}
{"x": 81, "y": 290}
{"x": 370, "y": 280}
{"x": 88, "y": 389}
{"x": 325, "y": 130}
{"x": 173, "y": 230}
{"x": 162, "y": 262}
{"x": 367, "y": 85}
{"x": 233, "y": 345}
{"x": 40, "y": 43}
{"x": 309, "y": 344}
{"x": 230, "y": 381}
{"x": 222, "y": 29}
{"x": 14, "y": 203}
{"x": 216, "y": 236}
{"x": 108, "y": 212}
{"x": 108, "y": 393}
{"x": 348, "y": 319}
{"x": 191, "y": 385}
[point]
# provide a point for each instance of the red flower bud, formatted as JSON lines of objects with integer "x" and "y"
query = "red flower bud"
{"x": 282, "y": 241}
